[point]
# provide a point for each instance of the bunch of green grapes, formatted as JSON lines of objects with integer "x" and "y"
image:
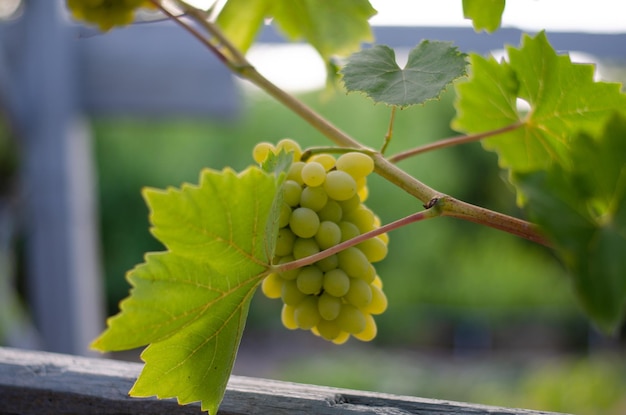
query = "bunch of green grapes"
{"x": 106, "y": 13}
{"x": 337, "y": 296}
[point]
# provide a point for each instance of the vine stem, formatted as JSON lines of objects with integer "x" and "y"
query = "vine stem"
{"x": 448, "y": 206}
{"x": 431, "y": 212}
{"x": 453, "y": 141}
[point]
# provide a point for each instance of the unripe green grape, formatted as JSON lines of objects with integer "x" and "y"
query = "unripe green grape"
{"x": 261, "y": 151}
{"x": 310, "y": 280}
{"x": 363, "y": 218}
{"x": 328, "y": 235}
{"x": 284, "y": 242}
{"x": 306, "y": 314}
{"x": 350, "y": 204}
{"x": 370, "y": 330}
{"x": 288, "y": 318}
{"x": 292, "y": 274}
{"x": 362, "y": 190}
{"x": 329, "y": 263}
{"x": 350, "y": 319}
{"x": 329, "y": 330}
{"x": 272, "y": 286}
{"x": 348, "y": 230}
{"x": 384, "y": 237}
{"x": 290, "y": 146}
{"x": 314, "y": 198}
{"x": 291, "y": 192}
{"x": 355, "y": 164}
{"x": 304, "y": 222}
{"x": 353, "y": 262}
{"x": 340, "y": 185}
{"x": 377, "y": 282}
{"x": 341, "y": 338}
{"x": 331, "y": 211}
{"x": 290, "y": 293}
{"x": 284, "y": 215}
{"x": 313, "y": 174}
{"x": 295, "y": 172}
{"x": 374, "y": 249}
{"x": 369, "y": 276}
{"x": 305, "y": 247}
{"x": 379, "y": 303}
{"x": 336, "y": 282}
{"x": 328, "y": 306}
{"x": 359, "y": 294}
{"x": 325, "y": 160}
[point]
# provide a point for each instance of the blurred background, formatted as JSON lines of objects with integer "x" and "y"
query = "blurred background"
{"x": 88, "y": 120}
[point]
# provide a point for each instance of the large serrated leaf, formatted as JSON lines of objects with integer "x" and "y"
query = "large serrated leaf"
{"x": 485, "y": 14}
{"x": 335, "y": 27}
{"x": 563, "y": 97}
{"x": 189, "y": 304}
{"x": 431, "y": 67}
{"x": 582, "y": 209}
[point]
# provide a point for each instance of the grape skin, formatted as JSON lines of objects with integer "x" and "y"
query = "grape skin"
{"x": 340, "y": 185}
{"x": 355, "y": 164}
{"x": 304, "y": 222}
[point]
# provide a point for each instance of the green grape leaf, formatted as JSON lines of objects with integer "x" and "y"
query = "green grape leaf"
{"x": 333, "y": 28}
{"x": 563, "y": 98}
{"x": 241, "y": 20}
{"x": 189, "y": 304}
{"x": 582, "y": 210}
{"x": 485, "y": 14}
{"x": 431, "y": 67}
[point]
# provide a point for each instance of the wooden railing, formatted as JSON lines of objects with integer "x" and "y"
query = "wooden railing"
{"x": 41, "y": 383}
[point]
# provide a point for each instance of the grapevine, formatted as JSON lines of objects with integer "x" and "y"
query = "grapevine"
{"x": 322, "y": 206}
{"x": 301, "y": 231}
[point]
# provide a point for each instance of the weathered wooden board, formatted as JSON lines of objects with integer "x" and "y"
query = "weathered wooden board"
{"x": 40, "y": 383}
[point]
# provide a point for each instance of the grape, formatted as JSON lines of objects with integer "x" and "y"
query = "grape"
{"x": 328, "y": 306}
{"x": 313, "y": 174}
{"x": 341, "y": 338}
{"x": 359, "y": 294}
{"x": 370, "y": 330}
{"x": 287, "y": 317}
{"x": 304, "y": 222}
{"x": 290, "y": 293}
{"x": 336, "y": 296}
{"x": 331, "y": 211}
{"x": 350, "y": 319}
{"x": 353, "y": 262}
{"x": 378, "y": 305}
{"x": 328, "y": 329}
{"x": 328, "y": 235}
{"x": 336, "y": 282}
{"x": 340, "y": 185}
{"x": 272, "y": 286}
{"x": 348, "y": 230}
{"x": 292, "y": 273}
{"x": 310, "y": 279}
{"x": 325, "y": 160}
{"x": 284, "y": 215}
{"x": 295, "y": 171}
{"x": 374, "y": 249}
{"x": 306, "y": 314}
{"x": 314, "y": 198}
{"x": 304, "y": 247}
{"x": 350, "y": 204}
{"x": 261, "y": 151}
{"x": 355, "y": 164}
{"x": 106, "y": 14}
{"x": 363, "y": 218}
{"x": 291, "y": 192}
{"x": 290, "y": 146}
{"x": 284, "y": 242}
